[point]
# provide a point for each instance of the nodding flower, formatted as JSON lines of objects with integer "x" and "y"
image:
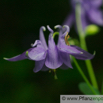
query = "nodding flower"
{"x": 52, "y": 56}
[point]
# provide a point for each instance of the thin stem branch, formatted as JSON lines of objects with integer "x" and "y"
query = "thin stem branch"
{"x": 83, "y": 44}
{"x": 83, "y": 75}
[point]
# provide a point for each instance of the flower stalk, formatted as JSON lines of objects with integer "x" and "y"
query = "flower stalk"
{"x": 83, "y": 75}
{"x": 83, "y": 44}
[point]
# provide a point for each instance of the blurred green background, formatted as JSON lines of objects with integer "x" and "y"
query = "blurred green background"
{"x": 20, "y": 21}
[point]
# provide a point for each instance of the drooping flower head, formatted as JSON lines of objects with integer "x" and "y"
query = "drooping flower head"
{"x": 90, "y": 13}
{"x": 52, "y": 56}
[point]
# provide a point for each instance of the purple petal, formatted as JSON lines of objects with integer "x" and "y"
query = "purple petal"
{"x": 42, "y": 39}
{"x": 37, "y": 53}
{"x": 53, "y": 59}
{"x": 69, "y": 49}
{"x": 66, "y": 59}
{"x": 84, "y": 56}
{"x": 69, "y": 19}
{"x": 50, "y": 29}
{"x": 65, "y": 56}
{"x": 37, "y": 42}
{"x": 96, "y": 3}
{"x": 67, "y": 29}
{"x": 96, "y": 16}
{"x": 61, "y": 39}
{"x": 19, "y": 57}
{"x": 38, "y": 65}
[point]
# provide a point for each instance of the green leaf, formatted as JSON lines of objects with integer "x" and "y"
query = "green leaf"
{"x": 91, "y": 29}
{"x": 102, "y": 89}
{"x": 84, "y": 88}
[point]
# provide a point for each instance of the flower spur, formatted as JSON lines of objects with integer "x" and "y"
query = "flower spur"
{"x": 52, "y": 56}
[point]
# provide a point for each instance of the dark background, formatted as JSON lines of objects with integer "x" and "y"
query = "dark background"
{"x": 20, "y": 21}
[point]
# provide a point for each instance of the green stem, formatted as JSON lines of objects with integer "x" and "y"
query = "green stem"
{"x": 83, "y": 75}
{"x": 83, "y": 44}
{"x": 55, "y": 76}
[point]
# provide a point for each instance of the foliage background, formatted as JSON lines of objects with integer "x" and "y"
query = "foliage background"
{"x": 20, "y": 21}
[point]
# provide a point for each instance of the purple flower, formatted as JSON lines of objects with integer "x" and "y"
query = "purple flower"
{"x": 90, "y": 13}
{"x": 52, "y": 56}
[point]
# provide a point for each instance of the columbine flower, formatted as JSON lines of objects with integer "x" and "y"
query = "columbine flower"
{"x": 90, "y": 13}
{"x": 52, "y": 56}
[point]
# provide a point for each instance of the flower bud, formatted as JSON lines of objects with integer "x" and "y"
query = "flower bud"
{"x": 91, "y": 29}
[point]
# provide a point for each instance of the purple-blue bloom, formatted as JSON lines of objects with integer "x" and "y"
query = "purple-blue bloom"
{"x": 52, "y": 56}
{"x": 90, "y": 13}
